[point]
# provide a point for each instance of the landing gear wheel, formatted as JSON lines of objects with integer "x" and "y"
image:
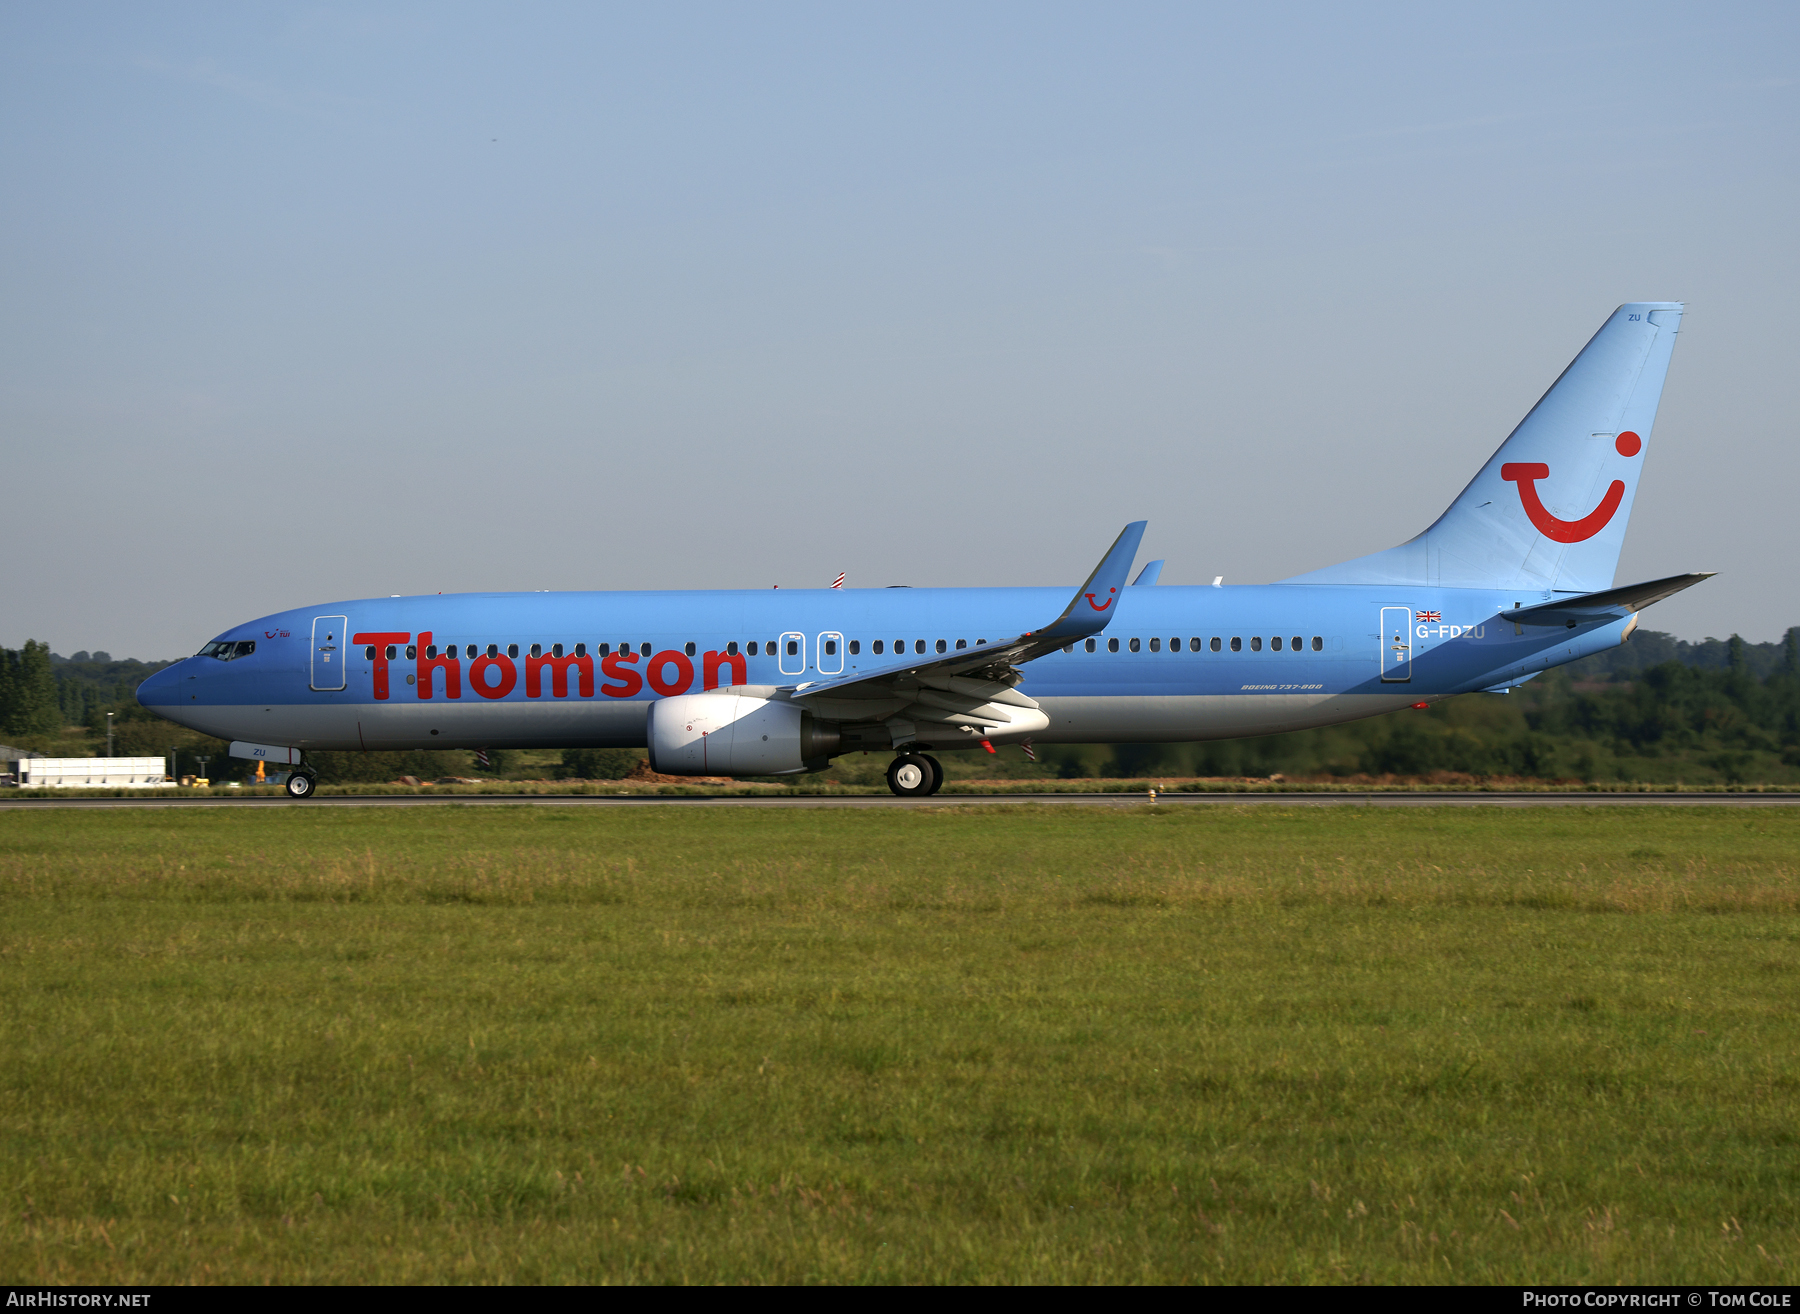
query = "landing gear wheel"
{"x": 301, "y": 784}
{"x": 937, "y": 772}
{"x": 910, "y": 776}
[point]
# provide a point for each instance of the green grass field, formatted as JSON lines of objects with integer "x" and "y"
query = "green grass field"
{"x": 977, "y": 1044}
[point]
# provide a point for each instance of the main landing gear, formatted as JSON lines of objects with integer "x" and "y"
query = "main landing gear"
{"x": 302, "y": 782}
{"x": 915, "y": 775}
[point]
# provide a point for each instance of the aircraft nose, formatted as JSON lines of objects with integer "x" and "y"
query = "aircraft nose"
{"x": 159, "y": 689}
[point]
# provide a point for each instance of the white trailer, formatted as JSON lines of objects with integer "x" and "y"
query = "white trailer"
{"x": 89, "y": 772}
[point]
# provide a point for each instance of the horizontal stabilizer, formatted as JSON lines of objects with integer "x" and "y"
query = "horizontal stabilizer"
{"x": 1595, "y": 606}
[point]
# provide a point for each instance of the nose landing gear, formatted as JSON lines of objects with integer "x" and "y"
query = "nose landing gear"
{"x": 915, "y": 775}
{"x": 301, "y": 782}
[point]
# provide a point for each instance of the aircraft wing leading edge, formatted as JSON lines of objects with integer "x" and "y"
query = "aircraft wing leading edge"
{"x": 974, "y": 688}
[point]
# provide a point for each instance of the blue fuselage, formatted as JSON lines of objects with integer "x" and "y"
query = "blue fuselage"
{"x": 581, "y": 669}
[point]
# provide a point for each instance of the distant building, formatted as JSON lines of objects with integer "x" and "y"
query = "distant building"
{"x": 35, "y": 771}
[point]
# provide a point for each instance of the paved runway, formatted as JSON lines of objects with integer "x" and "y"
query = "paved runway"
{"x": 1378, "y": 800}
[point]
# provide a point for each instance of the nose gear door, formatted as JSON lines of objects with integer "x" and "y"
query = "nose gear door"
{"x": 328, "y": 652}
{"x": 1396, "y": 644}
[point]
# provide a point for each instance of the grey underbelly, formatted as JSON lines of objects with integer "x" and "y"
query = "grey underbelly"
{"x": 1183, "y": 718}
{"x": 1175, "y": 718}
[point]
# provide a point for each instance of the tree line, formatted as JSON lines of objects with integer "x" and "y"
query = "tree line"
{"x": 1721, "y": 711}
{"x": 1657, "y": 710}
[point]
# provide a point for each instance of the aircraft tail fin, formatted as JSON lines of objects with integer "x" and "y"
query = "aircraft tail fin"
{"x": 1548, "y": 511}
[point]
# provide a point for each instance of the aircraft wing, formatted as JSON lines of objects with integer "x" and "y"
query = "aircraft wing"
{"x": 1593, "y": 606}
{"x": 975, "y": 686}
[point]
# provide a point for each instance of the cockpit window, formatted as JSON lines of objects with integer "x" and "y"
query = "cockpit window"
{"x": 228, "y": 649}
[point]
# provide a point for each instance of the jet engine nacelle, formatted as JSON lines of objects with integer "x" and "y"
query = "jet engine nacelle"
{"x": 726, "y": 734}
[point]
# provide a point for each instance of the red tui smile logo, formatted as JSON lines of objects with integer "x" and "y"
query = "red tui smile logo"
{"x": 1526, "y": 474}
{"x": 1099, "y": 606}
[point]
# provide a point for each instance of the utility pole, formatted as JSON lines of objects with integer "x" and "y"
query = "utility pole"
{"x": 109, "y": 738}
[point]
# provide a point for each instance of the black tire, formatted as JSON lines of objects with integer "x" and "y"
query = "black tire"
{"x": 910, "y": 776}
{"x": 301, "y": 784}
{"x": 937, "y": 772}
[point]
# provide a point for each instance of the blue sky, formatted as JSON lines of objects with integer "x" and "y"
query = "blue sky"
{"x": 304, "y": 303}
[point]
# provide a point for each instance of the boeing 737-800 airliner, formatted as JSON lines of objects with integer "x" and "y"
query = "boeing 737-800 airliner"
{"x": 1516, "y": 577}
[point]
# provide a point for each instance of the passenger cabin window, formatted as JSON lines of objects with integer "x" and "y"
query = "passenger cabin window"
{"x": 1156, "y": 645}
{"x": 942, "y": 646}
{"x": 688, "y": 648}
{"x": 369, "y": 653}
{"x": 1091, "y": 645}
{"x": 1136, "y": 646}
{"x": 1194, "y": 645}
{"x": 1215, "y": 643}
{"x": 793, "y": 648}
{"x": 1318, "y": 643}
{"x": 512, "y": 650}
{"x": 878, "y": 647}
{"x": 1256, "y": 644}
{"x": 961, "y": 644}
{"x": 1237, "y": 644}
{"x": 469, "y": 652}
{"x": 752, "y": 648}
{"x": 830, "y": 648}
{"x": 493, "y": 650}
{"x": 855, "y": 647}
{"x": 731, "y": 648}
{"x": 431, "y": 652}
{"x": 581, "y": 650}
{"x": 603, "y": 648}
{"x": 644, "y": 649}
{"x": 1274, "y": 643}
{"x": 1112, "y": 645}
{"x": 556, "y": 650}
{"x": 919, "y": 646}
{"x": 1296, "y": 643}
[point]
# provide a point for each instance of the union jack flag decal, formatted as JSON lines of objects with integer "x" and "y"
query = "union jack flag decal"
{"x": 1431, "y": 615}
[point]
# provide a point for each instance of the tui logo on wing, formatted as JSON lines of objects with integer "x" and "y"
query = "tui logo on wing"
{"x": 1526, "y": 474}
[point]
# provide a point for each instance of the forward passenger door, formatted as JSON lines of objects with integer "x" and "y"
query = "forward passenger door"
{"x": 328, "y": 647}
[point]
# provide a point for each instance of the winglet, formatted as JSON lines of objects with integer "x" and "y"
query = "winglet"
{"x": 1149, "y": 574}
{"x": 1092, "y": 607}
{"x": 1609, "y": 604}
